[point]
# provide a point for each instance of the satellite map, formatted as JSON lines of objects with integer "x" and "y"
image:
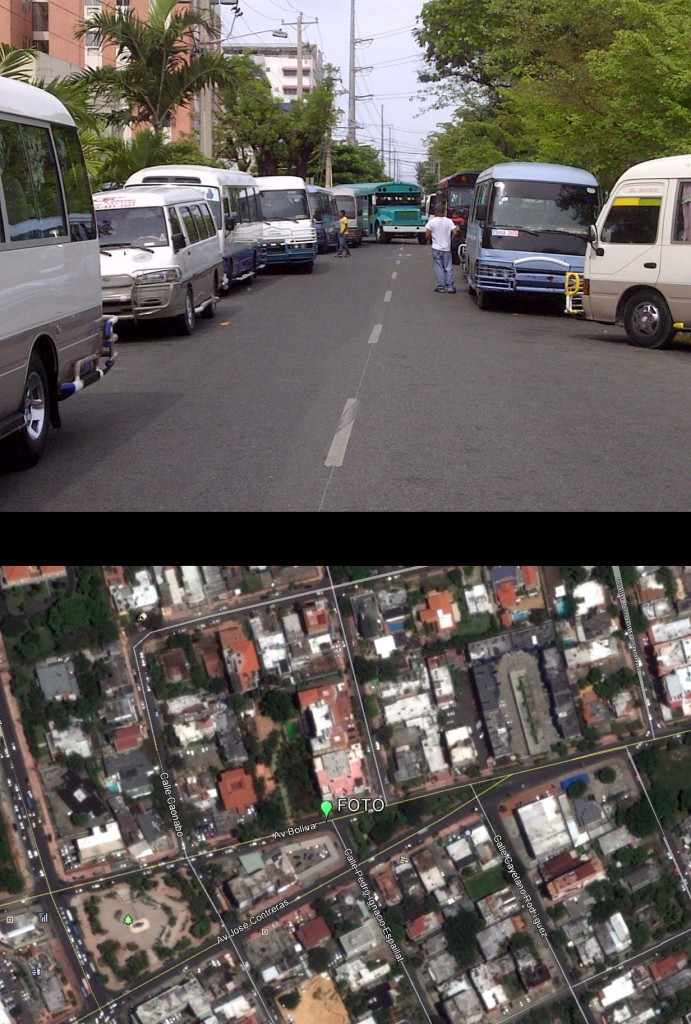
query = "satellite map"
{"x": 345, "y": 794}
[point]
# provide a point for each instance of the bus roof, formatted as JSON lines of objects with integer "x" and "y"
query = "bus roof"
{"x": 135, "y": 196}
{"x": 189, "y": 174}
{"x": 29, "y": 101}
{"x": 519, "y": 170}
{"x": 458, "y": 178}
{"x": 319, "y": 188}
{"x": 662, "y": 167}
{"x": 274, "y": 182}
{"x": 366, "y": 187}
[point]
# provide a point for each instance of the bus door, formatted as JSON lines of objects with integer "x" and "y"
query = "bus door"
{"x": 629, "y": 249}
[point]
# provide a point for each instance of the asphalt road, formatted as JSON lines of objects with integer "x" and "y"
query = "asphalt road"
{"x": 352, "y": 389}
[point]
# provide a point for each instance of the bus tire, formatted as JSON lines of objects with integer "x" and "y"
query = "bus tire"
{"x": 647, "y": 320}
{"x": 469, "y": 286}
{"x": 186, "y": 320}
{"x": 482, "y": 299}
{"x": 307, "y": 268}
{"x": 422, "y": 240}
{"x": 379, "y": 235}
{"x": 25, "y": 447}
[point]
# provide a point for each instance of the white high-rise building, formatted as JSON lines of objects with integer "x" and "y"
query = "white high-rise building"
{"x": 280, "y": 64}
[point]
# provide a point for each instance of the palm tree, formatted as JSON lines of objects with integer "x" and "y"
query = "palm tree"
{"x": 165, "y": 67}
{"x": 118, "y": 159}
{"x": 16, "y": 63}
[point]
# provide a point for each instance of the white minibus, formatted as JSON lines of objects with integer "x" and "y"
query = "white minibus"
{"x": 289, "y": 231}
{"x": 234, "y": 200}
{"x": 159, "y": 254}
{"x": 638, "y": 264}
{"x": 53, "y": 340}
{"x": 348, "y": 200}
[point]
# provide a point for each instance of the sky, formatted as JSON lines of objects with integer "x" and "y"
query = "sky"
{"x": 393, "y": 55}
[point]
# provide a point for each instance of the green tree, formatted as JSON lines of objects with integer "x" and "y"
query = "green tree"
{"x": 318, "y": 959}
{"x": 608, "y": 775}
{"x": 460, "y": 932}
{"x": 282, "y": 138}
{"x": 164, "y": 69}
{"x": 577, "y": 789}
{"x": 277, "y": 705}
{"x": 356, "y": 163}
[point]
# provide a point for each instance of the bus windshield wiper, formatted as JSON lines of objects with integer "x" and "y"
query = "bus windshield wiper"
{"x": 104, "y": 246}
{"x": 104, "y": 250}
{"x": 565, "y": 231}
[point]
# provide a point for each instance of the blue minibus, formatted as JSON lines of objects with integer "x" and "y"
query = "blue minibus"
{"x": 325, "y": 216}
{"x": 528, "y": 228}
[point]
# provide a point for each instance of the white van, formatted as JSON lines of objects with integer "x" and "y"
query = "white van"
{"x": 233, "y": 198}
{"x": 638, "y": 264}
{"x": 289, "y": 231}
{"x": 159, "y": 254}
{"x": 53, "y": 340}
{"x": 350, "y": 202}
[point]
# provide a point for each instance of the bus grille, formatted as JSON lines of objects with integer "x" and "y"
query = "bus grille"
{"x": 406, "y": 217}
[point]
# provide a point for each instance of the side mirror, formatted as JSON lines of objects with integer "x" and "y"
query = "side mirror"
{"x": 230, "y": 222}
{"x": 594, "y": 240}
{"x": 481, "y": 211}
{"x": 178, "y": 241}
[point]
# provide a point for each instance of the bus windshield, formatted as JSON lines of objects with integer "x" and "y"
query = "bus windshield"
{"x": 402, "y": 199}
{"x": 460, "y": 197}
{"x": 285, "y": 204}
{"x": 541, "y": 216}
{"x": 134, "y": 226}
{"x": 347, "y": 204}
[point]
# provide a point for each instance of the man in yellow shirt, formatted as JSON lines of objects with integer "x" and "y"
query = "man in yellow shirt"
{"x": 343, "y": 249}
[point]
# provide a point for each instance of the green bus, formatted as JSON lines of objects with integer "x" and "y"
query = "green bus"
{"x": 391, "y": 209}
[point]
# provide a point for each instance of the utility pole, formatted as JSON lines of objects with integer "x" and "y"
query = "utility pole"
{"x": 352, "y": 139}
{"x": 205, "y": 100}
{"x": 381, "y": 150}
{"x": 390, "y": 161}
{"x": 299, "y": 25}
{"x": 328, "y": 168}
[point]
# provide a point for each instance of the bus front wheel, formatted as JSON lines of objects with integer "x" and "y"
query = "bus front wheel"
{"x": 422, "y": 239}
{"x": 647, "y": 320}
{"x": 379, "y": 235}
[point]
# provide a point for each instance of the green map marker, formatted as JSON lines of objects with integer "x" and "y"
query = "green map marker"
{"x": 128, "y": 919}
{"x": 327, "y": 808}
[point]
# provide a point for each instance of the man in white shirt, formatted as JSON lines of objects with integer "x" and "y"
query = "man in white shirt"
{"x": 441, "y": 229}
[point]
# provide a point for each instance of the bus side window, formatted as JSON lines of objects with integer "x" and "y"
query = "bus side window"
{"x": 243, "y": 206}
{"x": 33, "y": 200}
{"x": 76, "y": 183}
{"x": 682, "y": 230}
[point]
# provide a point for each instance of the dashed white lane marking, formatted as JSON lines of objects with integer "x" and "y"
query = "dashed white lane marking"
{"x": 387, "y": 297}
{"x": 395, "y": 274}
{"x": 397, "y": 262}
{"x": 342, "y": 436}
{"x": 374, "y": 336}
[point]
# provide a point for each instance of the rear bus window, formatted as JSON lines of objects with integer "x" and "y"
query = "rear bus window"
{"x": 76, "y": 183}
{"x": 30, "y": 185}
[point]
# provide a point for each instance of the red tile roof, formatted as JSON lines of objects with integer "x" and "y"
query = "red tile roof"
{"x": 236, "y": 790}
{"x": 313, "y": 933}
{"x": 668, "y": 965}
{"x": 127, "y": 737}
{"x": 506, "y": 594}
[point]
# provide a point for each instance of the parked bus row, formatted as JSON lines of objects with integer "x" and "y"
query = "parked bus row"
{"x": 542, "y": 229}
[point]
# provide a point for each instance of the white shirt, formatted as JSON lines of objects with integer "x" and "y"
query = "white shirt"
{"x": 441, "y": 228}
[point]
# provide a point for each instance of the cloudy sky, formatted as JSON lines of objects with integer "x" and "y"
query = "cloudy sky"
{"x": 393, "y": 56}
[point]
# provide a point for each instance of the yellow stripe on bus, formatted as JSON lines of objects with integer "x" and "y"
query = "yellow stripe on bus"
{"x": 638, "y": 201}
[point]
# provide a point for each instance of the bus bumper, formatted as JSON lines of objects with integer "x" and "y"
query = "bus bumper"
{"x": 402, "y": 230}
{"x": 295, "y": 252}
{"x": 88, "y": 371}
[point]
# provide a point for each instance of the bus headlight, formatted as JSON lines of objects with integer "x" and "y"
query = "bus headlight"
{"x": 169, "y": 276}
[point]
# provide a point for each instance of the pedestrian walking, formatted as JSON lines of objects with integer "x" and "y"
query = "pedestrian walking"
{"x": 343, "y": 249}
{"x": 441, "y": 229}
